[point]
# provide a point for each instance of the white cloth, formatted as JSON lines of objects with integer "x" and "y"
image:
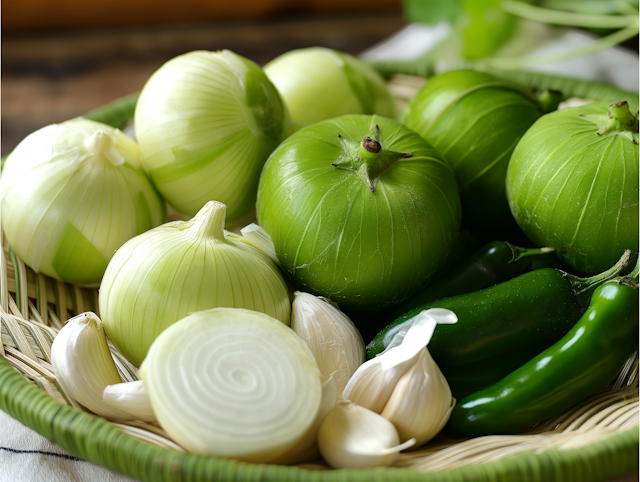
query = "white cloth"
{"x": 26, "y": 456}
{"x": 617, "y": 65}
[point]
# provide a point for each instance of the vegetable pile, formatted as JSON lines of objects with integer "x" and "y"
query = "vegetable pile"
{"x": 252, "y": 346}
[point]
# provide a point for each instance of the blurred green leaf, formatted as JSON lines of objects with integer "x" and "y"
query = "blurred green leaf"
{"x": 486, "y": 27}
{"x": 432, "y": 11}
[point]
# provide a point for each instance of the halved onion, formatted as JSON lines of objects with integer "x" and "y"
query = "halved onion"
{"x": 233, "y": 383}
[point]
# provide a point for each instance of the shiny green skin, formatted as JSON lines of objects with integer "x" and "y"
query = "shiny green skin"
{"x": 475, "y": 121}
{"x": 499, "y": 328}
{"x": 491, "y": 264}
{"x": 585, "y": 360}
{"x": 336, "y": 238}
{"x": 575, "y": 190}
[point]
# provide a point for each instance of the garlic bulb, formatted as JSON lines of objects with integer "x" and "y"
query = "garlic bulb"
{"x": 421, "y": 402}
{"x": 182, "y": 267}
{"x": 353, "y": 437}
{"x": 132, "y": 398}
{"x": 306, "y": 449}
{"x": 334, "y": 341}
{"x": 83, "y": 364}
{"x": 73, "y": 193}
{"x": 404, "y": 384}
{"x": 372, "y": 384}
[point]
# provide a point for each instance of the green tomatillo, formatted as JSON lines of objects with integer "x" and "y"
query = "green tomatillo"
{"x": 475, "y": 120}
{"x": 572, "y": 184}
{"x": 361, "y": 210}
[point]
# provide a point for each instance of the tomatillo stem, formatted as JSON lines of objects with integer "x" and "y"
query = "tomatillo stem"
{"x": 367, "y": 158}
{"x": 369, "y": 148}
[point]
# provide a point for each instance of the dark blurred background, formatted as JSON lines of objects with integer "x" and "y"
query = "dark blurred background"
{"x": 63, "y": 58}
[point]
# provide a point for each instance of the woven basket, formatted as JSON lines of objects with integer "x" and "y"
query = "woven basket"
{"x": 594, "y": 441}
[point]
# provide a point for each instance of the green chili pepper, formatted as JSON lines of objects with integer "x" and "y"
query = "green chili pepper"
{"x": 493, "y": 263}
{"x": 117, "y": 113}
{"x": 585, "y": 360}
{"x": 502, "y": 327}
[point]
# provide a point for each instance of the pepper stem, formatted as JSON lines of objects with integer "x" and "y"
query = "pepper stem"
{"x": 367, "y": 158}
{"x": 583, "y": 287}
{"x": 632, "y": 278}
{"x": 209, "y": 221}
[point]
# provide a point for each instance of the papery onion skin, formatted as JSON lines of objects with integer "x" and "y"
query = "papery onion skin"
{"x": 575, "y": 190}
{"x": 73, "y": 193}
{"x": 475, "y": 121}
{"x": 337, "y": 238}
{"x": 182, "y": 267}
{"x": 233, "y": 383}
{"x": 206, "y": 123}
{"x": 318, "y": 84}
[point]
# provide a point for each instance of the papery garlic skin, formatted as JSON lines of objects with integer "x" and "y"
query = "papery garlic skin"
{"x": 371, "y": 385}
{"x": 72, "y": 194}
{"x": 183, "y": 267}
{"x": 131, "y": 398}
{"x": 353, "y": 437}
{"x": 331, "y": 336}
{"x": 421, "y": 402}
{"x": 374, "y": 381}
{"x": 83, "y": 364}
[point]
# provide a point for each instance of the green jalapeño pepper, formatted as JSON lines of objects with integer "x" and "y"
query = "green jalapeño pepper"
{"x": 502, "y": 327}
{"x": 585, "y": 360}
{"x": 491, "y": 264}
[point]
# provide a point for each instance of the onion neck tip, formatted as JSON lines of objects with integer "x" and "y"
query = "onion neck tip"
{"x": 209, "y": 221}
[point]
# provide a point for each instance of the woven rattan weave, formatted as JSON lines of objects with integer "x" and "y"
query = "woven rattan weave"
{"x": 594, "y": 441}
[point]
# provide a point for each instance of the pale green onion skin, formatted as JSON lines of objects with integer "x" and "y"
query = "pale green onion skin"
{"x": 66, "y": 207}
{"x": 233, "y": 383}
{"x": 319, "y": 83}
{"x": 182, "y": 267}
{"x": 206, "y": 123}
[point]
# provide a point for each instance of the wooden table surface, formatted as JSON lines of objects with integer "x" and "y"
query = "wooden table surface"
{"x": 48, "y": 78}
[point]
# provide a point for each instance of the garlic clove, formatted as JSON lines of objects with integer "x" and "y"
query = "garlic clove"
{"x": 131, "y": 398}
{"x": 354, "y": 437}
{"x": 306, "y": 450}
{"x": 421, "y": 402}
{"x": 83, "y": 364}
{"x": 374, "y": 381}
{"x": 331, "y": 336}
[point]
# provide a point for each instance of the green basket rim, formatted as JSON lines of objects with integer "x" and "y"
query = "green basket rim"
{"x": 94, "y": 439}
